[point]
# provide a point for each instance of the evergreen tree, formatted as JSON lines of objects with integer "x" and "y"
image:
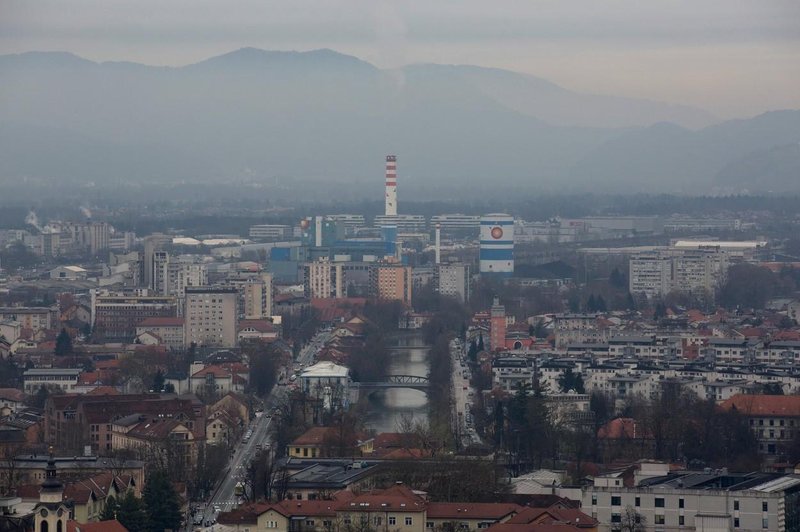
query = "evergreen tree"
{"x": 110, "y": 511}
{"x": 131, "y": 513}
{"x": 63, "y": 344}
{"x": 631, "y": 304}
{"x": 580, "y": 387}
{"x": 600, "y": 304}
{"x": 472, "y": 353}
{"x": 162, "y": 504}
{"x": 158, "y": 381}
{"x": 481, "y": 346}
{"x": 591, "y": 304}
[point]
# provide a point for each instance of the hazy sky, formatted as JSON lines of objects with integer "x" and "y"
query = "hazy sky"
{"x": 732, "y": 57}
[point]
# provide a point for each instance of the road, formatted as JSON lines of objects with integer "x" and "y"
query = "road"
{"x": 463, "y": 394}
{"x": 224, "y": 497}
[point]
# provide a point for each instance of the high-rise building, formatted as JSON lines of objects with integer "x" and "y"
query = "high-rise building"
{"x": 210, "y": 316}
{"x": 661, "y": 271}
{"x": 391, "y": 280}
{"x": 323, "y": 279}
{"x": 256, "y": 296}
{"x": 497, "y": 244}
{"x": 453, "y": 280}
{"x": 391, "y": 185}
{"x": 171, "y": 276}
{"x": 152, "y": 244}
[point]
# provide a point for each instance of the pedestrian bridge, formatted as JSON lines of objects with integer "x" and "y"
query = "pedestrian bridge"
{"x": 414, "y": 382}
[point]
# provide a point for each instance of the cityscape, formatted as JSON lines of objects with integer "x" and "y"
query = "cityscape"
{"x": 298, "y": 292}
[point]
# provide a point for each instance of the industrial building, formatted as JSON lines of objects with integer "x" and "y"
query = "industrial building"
{"x": 497, "y": 245}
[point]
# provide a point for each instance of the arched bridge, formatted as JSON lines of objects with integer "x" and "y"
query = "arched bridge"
{"x": 414, "y": 382}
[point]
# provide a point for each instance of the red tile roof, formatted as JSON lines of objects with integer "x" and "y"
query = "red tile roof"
{"x": 621, "y": 428}
{"x": 471, "y": 510}
{"x": 100, "y": 526}
{"x": 764, "y": 405}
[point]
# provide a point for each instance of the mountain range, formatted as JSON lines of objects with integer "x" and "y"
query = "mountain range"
{"x": 323, "y": 116}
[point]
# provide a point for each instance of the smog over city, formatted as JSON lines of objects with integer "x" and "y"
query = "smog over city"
{"x": 399, "y": 266}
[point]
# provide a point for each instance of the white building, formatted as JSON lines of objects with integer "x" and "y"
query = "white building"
{"x": 329, "y": 382}
{"x": 64, "y": 378}
{"x": 211, "y": 316}
{"x": 661, "y": 271}
{"x": 453, "y": 279}
{"x": 712, "y": 502}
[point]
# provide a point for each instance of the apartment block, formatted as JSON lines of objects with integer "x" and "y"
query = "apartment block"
{"x": 211, "y": 316}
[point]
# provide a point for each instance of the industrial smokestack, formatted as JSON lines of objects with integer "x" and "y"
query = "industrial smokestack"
{"x": 438, "y": 249}
{"x": 391, "y": 185}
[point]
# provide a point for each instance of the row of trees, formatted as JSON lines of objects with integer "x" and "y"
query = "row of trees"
{"x": 675, "y": 426}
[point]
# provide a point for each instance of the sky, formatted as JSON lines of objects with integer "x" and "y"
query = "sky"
{"x": 735, "y": 58}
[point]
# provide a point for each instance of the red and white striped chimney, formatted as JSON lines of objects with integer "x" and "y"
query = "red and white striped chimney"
{"x": 391, "y": 185}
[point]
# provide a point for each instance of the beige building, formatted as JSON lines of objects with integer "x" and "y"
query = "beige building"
{"x": 391, "y": 281}
{"x": 323, "y": 279}
{"x": 210, "y": 317}
{"x": 168, "y": 331}
{"x": 257, "y": 297}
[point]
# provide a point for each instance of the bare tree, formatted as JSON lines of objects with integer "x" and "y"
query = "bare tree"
{"x": 630, "y": 521}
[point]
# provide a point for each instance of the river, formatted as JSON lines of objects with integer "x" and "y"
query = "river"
{"x": 386, "y": 408}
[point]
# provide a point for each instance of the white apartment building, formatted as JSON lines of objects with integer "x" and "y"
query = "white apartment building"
{"x": 210, "y": 316}
{"x": 453, "y": 280}
{"x": 658, "y": 272}
{"x": 708, "y": 501}
{"x": 457, "y": 222}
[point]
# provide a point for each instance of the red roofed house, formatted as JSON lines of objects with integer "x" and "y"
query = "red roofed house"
{"x": 469, "y": 516}
{"x": 774, "y": 419}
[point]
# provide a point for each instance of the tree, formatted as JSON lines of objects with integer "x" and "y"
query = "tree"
{"x": 158, "y": 381}
{"x": 591, "y": 304}
{"x": 630, "y": 521}
{"x": 481, "y": 346}
{"x": 129, "y": 511}
{"x": 162, "y": 504}
{"x": 749, "y": 286}
{"x": 600, "y": 304}
{"x": 63, "y": 344}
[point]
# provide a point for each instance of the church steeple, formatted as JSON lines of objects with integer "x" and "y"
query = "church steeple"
{"x": 52, "y": 488}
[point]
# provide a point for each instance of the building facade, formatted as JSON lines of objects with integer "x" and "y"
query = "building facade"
{"x": 211, "y": 316}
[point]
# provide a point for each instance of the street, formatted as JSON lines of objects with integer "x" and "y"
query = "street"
{"x": 224, "y": 498}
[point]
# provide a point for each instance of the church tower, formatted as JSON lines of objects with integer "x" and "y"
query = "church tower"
{"x": 52, "y": 512}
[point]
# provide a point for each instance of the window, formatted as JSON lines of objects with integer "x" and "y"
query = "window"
{"x": 765, "y": 523}
{"x": 659, "y": 502}
{"x": 309, "y": 522}
{"x": 392, "y": 520}
{"x": 428, "y": 524}
{"x": 658, "y": 519}
{"x": 638, "y": 501}
{"x": 594, "y": 498}
{"x": 681, "y": 520}
{"x": 616, "y": 518}
{"x": 764, "y": 506}
{"x": 735, "y": 505}
{"x": 680, "y": 503}
{"x": 735, "y": 522}
{"x": 346, "y": 519}
{"x": 616, "y": 500}
{"x": 377, "y": 520}
{"x": 409, "y": 521}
